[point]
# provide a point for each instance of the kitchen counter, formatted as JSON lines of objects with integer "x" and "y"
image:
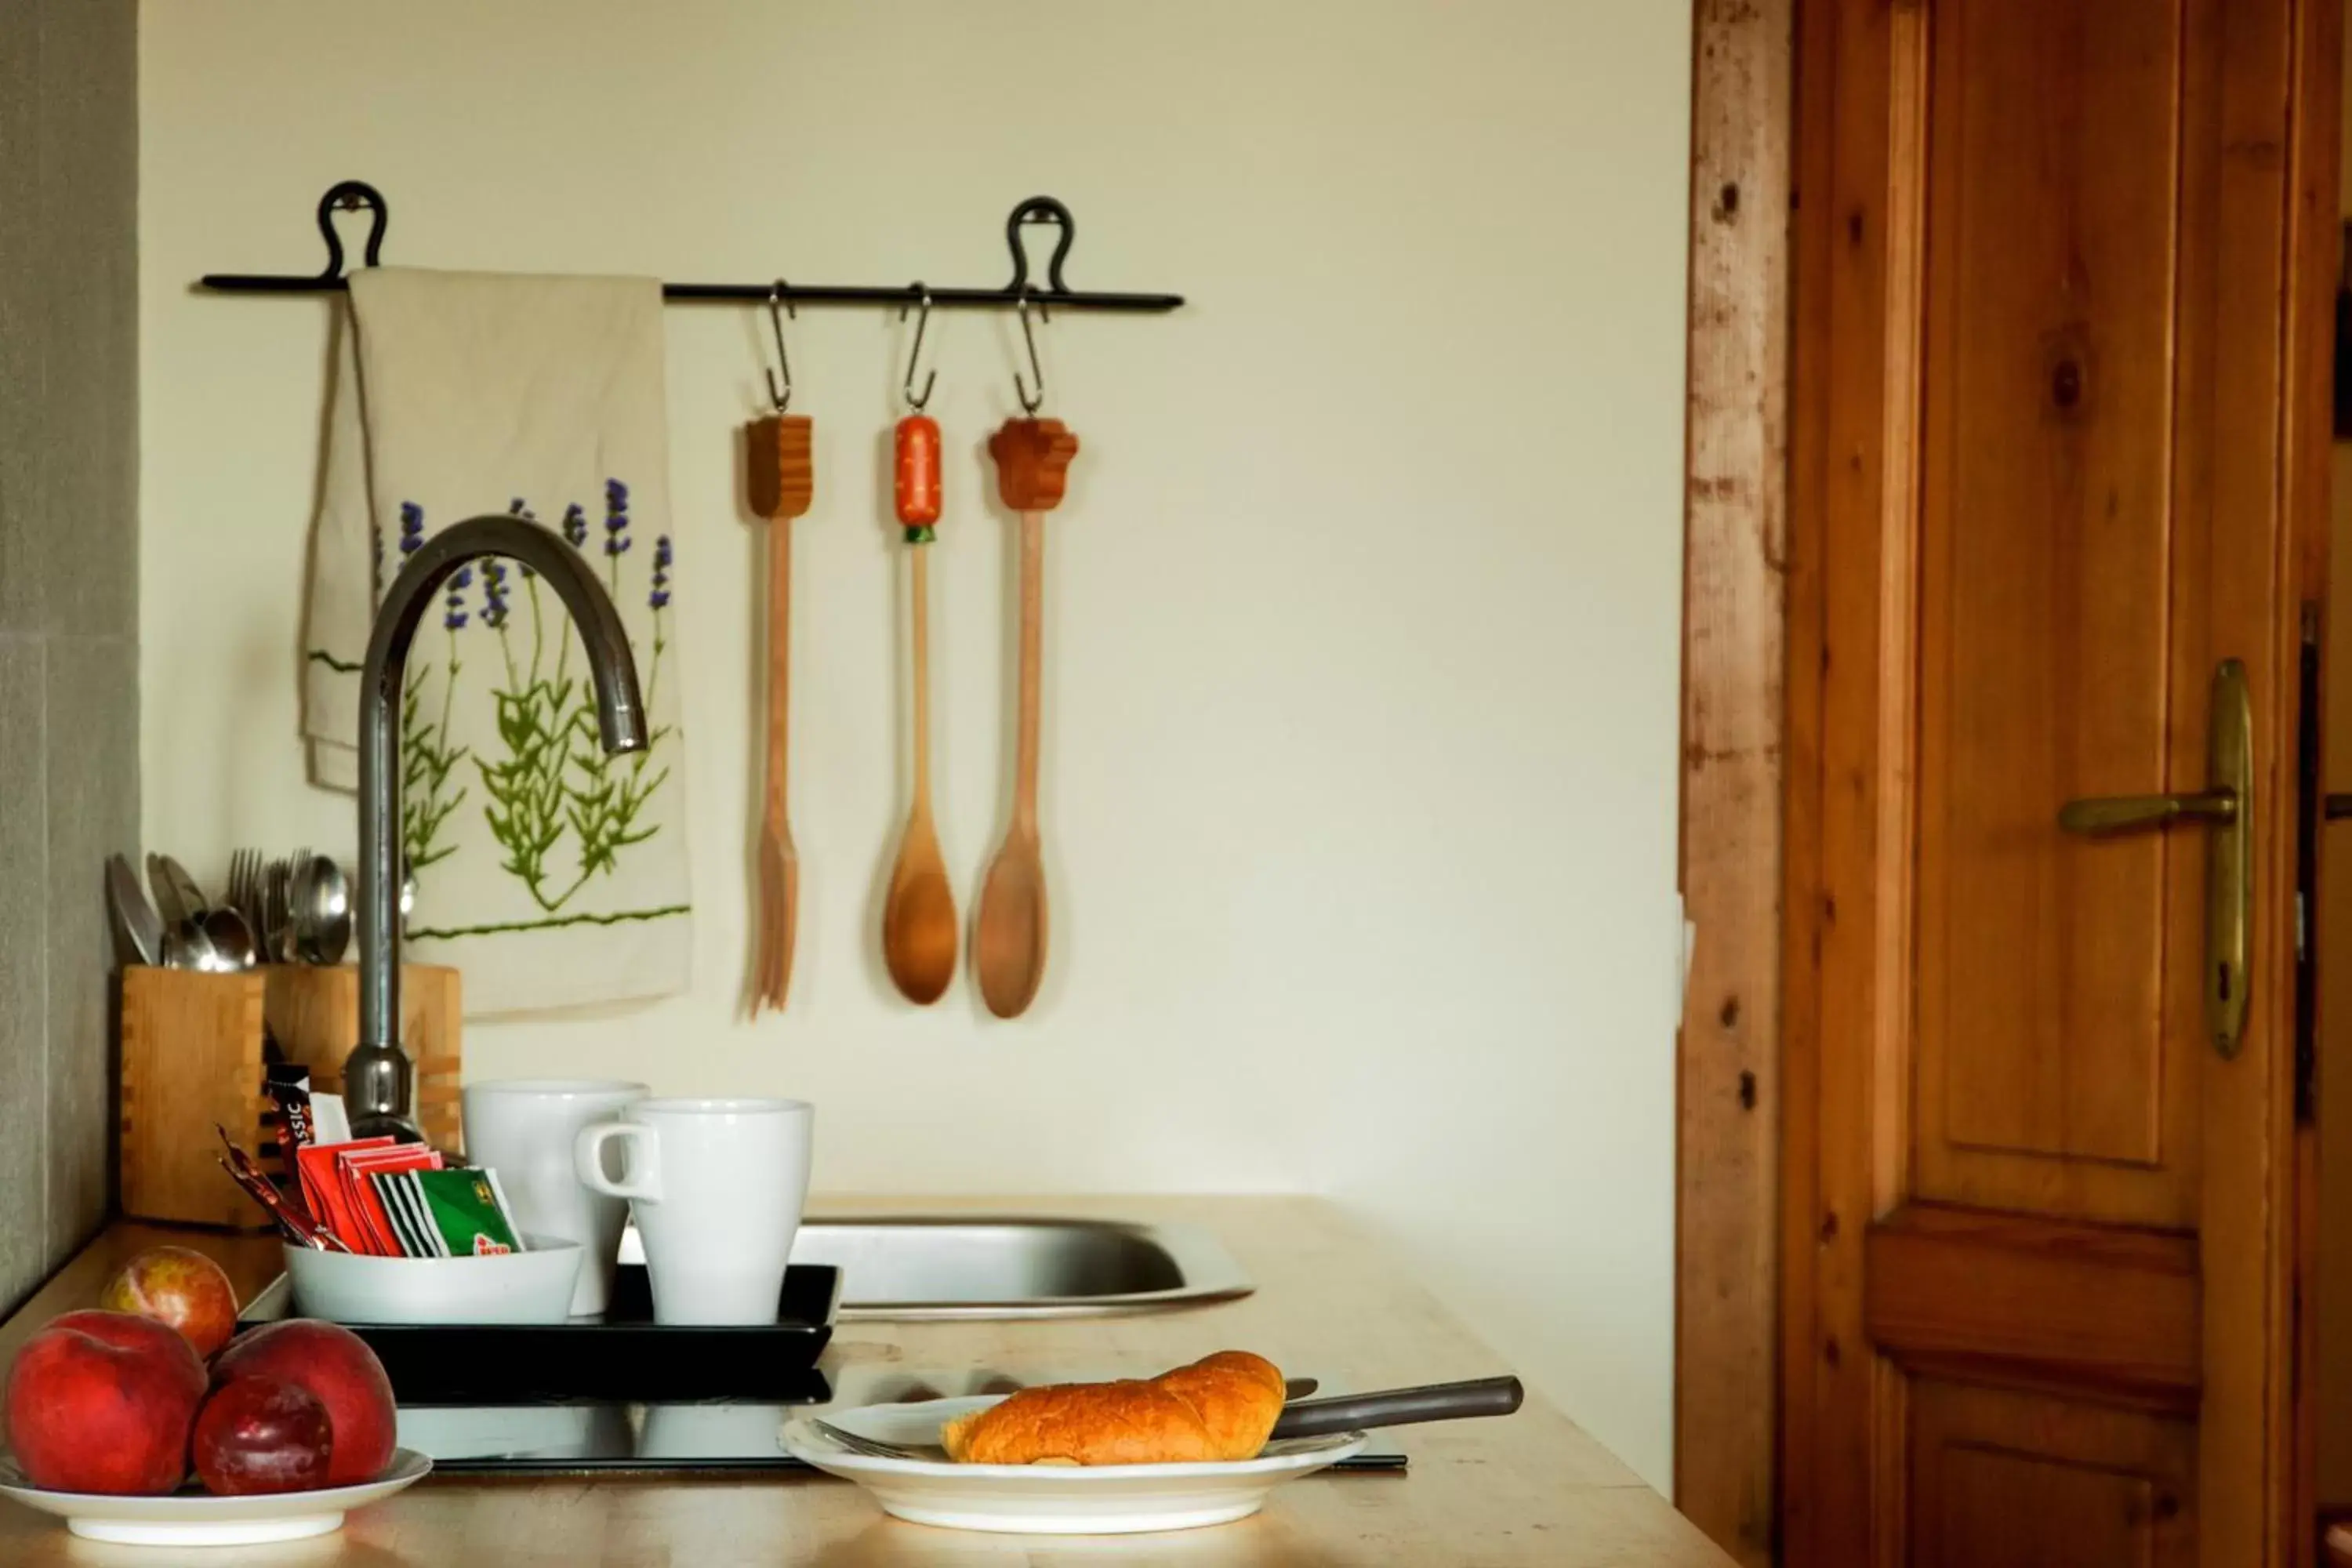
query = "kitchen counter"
{"x": 1529, "y": 1488}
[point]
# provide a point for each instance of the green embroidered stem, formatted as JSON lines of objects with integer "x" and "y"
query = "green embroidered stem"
{"x": 426, "y": 761}
{"x": 500, "y": 926}
{"x": 526, "y": 786}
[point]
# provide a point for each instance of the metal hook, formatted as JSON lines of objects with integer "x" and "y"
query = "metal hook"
{"x": 915, "y": 355}
{"x": 780, "y": 394}
{"x": 1029, "y": 405}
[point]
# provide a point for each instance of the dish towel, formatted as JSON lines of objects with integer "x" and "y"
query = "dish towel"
{"x": 552, "y": 875}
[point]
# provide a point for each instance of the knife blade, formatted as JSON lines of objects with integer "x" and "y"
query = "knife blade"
{"x": 167, "y": 897}
{"x": 136, "y": 922}
{"x": 190, "y": 896}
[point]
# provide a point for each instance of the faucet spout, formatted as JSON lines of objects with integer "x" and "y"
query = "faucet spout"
{"x": 378, "y": 1077}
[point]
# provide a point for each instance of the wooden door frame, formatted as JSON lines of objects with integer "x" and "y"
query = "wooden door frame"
{"x": 1728, "y": 1217}
{"x": 1747, "y": 1077}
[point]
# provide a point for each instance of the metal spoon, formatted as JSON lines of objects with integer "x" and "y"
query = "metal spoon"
{"x": 230, "y": 938}
{"x": 321, "y": 909}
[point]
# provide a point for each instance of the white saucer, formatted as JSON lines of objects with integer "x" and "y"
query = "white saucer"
{"x": 1049, "y": 1500}
{"x": 194, "y": 1518}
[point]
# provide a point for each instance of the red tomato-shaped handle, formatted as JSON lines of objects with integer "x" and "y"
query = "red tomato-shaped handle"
{"x": 918, "y": 477}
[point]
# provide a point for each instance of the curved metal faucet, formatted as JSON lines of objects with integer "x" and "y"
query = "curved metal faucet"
{"x": 378, "y": 1076}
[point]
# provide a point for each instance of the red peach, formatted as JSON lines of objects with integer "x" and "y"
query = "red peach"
{"x": 336, "y": 1365}
{"x": 262, "y": 1434}
{"x": 102, "y": 1402}
{"x": 179, "y": 1286}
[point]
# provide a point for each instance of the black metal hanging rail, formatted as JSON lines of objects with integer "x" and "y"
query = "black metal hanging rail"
{"x": 357, "y": 196}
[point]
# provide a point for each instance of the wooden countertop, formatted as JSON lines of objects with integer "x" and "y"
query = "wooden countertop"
{"x": 1531, "y": 1489}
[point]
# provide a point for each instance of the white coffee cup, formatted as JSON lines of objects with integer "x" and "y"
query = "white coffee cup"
{"x": 525, "y": 1129}
{"x": 717, "y": 1187}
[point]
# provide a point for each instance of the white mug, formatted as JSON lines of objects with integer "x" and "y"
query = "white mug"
{"x": 525, "y": 1129}
{"x": 717, "y": 1187}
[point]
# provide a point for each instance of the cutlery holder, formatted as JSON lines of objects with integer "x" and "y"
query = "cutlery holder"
{"x": 192, "y": 1056}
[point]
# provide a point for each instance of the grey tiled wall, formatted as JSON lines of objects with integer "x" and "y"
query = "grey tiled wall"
{"x": 69, "y": 604}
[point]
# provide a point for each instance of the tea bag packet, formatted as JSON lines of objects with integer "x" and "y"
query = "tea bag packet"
{"x": 322, "y": 1193}
{"x": 450, "y": 1212}
{"x": 404, "y": 1208}
{"x": 357, "y": 1169}
{"x": 337, "y": 1182}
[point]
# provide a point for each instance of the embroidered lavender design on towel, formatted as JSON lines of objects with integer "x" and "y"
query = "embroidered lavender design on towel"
{"x": 554, "y": 780}
{"x": 612, "y": 791}
{"x": 427, "y": 759}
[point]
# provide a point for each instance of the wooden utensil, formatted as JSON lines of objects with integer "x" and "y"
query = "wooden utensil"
{"x": 1008, "y": 944}
{"x": 918, "y": 919}
{"x": 782, "y": 482}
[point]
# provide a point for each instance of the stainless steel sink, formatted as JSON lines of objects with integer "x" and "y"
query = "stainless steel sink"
{"x": 918, "y": 1269}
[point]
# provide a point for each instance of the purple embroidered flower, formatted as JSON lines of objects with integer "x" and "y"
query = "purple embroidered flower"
{"x": 659, "y": 597}
{"x": 411, "y": 527}
{"x": 493, "y": 593}
{"x": 522, "y": 508}
{"x": 617, "y": 517}
{"x": 456, "y": 602}
{"x": 575, "y": 526}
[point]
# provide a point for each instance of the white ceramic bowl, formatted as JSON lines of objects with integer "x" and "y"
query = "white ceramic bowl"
{"x": 534, "y": 1287}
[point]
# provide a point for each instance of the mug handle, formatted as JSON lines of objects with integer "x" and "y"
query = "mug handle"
{"x": 643, "y": 1163}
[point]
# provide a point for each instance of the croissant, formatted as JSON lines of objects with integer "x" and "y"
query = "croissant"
{"x": 1220, "y": 1408}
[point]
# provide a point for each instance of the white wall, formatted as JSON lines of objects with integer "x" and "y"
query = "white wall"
{"x": 1363, "y": 606}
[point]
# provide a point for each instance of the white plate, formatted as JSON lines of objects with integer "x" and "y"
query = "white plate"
{"x": 191, "y": 1518}
{"x": 1049, "y": 1500}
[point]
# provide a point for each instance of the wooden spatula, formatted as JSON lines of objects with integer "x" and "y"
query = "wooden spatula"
{"x": 782, "y": 482}
{"x": 1008, "y": 943}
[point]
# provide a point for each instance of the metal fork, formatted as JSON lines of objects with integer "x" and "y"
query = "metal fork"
{"x": 244, "y": 891}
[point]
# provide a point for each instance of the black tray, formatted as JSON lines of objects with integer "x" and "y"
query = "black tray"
{"x": 624, "y": 1355}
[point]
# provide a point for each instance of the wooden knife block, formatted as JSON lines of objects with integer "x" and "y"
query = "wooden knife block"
{"x": 192, "y": 1056}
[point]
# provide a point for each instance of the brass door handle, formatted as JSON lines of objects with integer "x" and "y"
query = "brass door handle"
{"x": 2226, "y": 803}
{"x": 2121, "y": 812}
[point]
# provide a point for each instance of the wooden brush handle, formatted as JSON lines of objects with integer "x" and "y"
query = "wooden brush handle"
{"x": 920, "y": 612}
{"x": 780, "y": 666}
{"x": 1032, "y": 660}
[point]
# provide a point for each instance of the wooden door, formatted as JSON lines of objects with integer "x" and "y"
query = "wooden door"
{"x": 2058, "y": 451}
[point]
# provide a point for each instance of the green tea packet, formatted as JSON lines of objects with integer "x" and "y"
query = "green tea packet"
{"x": 468, "y": 1214}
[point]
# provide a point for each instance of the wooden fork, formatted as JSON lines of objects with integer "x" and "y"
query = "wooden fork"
{"x": 781, "y": 483}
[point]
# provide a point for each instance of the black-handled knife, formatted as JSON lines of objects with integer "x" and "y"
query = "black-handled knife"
{"x": 1399, "y": 1407}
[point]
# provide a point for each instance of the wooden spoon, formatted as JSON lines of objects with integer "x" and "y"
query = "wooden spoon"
{"x": 918, "y": 919}
{"x": 1008, "y": 943}
{"x": 781, "y": 473}
{"x": 918, "y": 922}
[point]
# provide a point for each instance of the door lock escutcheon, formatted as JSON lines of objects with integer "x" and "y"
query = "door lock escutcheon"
{"x": 2225, "y": 805}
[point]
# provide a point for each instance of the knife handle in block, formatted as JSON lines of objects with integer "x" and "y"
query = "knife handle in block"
{"x": 1033, "y": 462}
{"x": 782, "y": 472}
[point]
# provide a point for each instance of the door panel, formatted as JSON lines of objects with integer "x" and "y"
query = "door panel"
{"x": 2038, "y": 1303}
{"x": 2029, "y": 1482}
{"x": 2051, "y": 1030}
